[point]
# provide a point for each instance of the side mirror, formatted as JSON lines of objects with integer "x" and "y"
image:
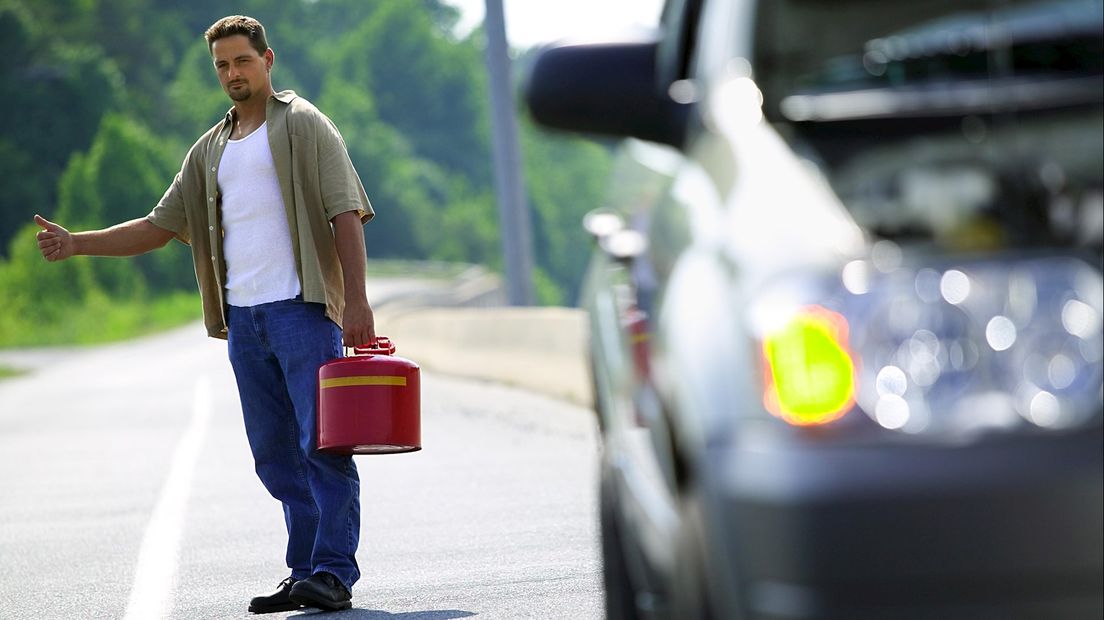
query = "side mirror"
{"x": 609, "y": 89}
{"x": 602, "y": 223}
{"x": 624, "y": 246}
{"x": 618, "y": 242}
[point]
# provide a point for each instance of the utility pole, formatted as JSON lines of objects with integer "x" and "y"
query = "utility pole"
{"x": 513, "y": 210}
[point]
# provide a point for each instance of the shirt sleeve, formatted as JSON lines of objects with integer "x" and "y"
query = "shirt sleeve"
{"x": 339, "y": 183}
{"x": 169, "y": 212}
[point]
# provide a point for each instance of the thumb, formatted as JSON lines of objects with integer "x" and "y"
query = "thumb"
{"x": 45, "y": 223}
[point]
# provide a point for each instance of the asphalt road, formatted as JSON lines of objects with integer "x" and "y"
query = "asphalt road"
{"x": 127, "y": 491}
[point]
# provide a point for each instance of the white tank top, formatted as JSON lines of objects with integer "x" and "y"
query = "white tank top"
{"x": 260, "y": 264}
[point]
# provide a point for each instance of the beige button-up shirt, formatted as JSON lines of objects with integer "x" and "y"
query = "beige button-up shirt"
{"x": 317, "y": 182}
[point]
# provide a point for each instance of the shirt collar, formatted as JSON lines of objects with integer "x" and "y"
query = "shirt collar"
{"x": 284, "y": 97}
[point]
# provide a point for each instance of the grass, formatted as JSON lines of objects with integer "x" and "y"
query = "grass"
{"x": 99, "y": 319}
{"x": 8, "y": 371}
{"x": 102, "y": 319}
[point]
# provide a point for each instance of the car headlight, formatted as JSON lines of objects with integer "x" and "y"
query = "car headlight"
{"x": 950, "y": 349}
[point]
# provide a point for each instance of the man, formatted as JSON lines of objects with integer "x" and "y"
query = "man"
{"x": 273, "y": 210}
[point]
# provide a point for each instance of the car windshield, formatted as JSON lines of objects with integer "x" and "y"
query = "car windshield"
{"x": 973, "y": 125}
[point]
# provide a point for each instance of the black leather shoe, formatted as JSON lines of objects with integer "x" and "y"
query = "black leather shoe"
{"x": 276, "y": 601}
{"x": 322, "y": 590}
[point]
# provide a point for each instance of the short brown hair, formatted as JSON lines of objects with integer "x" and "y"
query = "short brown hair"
{"x": 238, "y": 24}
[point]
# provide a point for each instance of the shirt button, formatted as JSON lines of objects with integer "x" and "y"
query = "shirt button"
{"x": 210, "y": 199}
{"x": 212, "y": 168}
{"x": 212, "y": 258}
{"x": 210, "y": 228}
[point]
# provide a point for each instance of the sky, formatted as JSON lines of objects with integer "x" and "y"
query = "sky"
{"x": 531, "y": 22}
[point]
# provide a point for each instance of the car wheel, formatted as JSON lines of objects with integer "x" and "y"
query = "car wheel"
{"x": 620, "y": 596}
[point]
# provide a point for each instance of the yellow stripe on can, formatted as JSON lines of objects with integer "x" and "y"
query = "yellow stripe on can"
{"x": 362, "y": 380}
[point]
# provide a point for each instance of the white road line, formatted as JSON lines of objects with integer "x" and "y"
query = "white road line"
{"x": 154, "y": 577}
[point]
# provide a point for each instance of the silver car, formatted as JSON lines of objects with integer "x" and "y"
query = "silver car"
{"x": 846, "y": 307}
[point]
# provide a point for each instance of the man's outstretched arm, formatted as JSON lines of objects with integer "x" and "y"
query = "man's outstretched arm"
{"x": 137, "y": 236}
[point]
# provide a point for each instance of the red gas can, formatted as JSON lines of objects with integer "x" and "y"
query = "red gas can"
{"x": 369, "y": 403}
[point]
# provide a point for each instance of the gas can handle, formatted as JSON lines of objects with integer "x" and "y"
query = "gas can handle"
{"x": 381, "y": 346}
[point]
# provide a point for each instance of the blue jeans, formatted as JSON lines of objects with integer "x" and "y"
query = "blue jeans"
{"x": 276, "y": 350}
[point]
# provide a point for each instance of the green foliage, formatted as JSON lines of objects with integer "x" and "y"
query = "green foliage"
{"x": 8, "y": 371}
{"x": 37, "y": 290}
{"x": 24, "y": 180}
{"x": 548, "y": 293}
{"x": 466, "y": 231}
{"x": 565, "y": 179}
{"x": 196, "y": 100}
{"x": 121, "y": 176}
{"x": 55, "y": 91}
{"x": 388, "y": 169}
{"x": 428, "y": 87}
{"x": 103, "y": 98}
{"x": 103, "y": 319}
{"x": 63, "y": 303}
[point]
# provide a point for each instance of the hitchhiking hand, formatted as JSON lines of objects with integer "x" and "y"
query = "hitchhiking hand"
{"x": 54, "y": 242}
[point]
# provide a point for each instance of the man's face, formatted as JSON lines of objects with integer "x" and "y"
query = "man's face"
{"x": 241, "y": 70}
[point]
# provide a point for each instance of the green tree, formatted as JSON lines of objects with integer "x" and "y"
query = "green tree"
{"x": 103, "y": 98}
{"x": 28, "y": 282}
{"x": 196, "y": 100}
{"x": 55, "y": 91}
{"x": 565, "y": 179}
{"x": 424, "y": 84}
{"x": 121, "y": 177}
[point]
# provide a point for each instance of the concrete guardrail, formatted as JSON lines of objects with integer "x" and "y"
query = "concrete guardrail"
{"x": 540, "y": 349}
{"x": 458, "y": 323}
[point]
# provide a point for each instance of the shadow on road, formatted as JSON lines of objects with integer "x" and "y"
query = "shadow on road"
{"x": 377, "y": 614}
